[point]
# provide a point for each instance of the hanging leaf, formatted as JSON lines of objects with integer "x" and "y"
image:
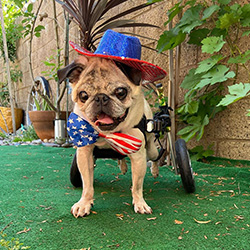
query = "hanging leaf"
{"x": 228, "y": 20}
{"x": 236, "y": 92}
{"x": 191, "y": 79}
{"x": 170, "y": 39}
{"x": 245, "y": 16}
{"x": 215, "y": 75}
{"x": 196, "y": 36}
{"x": 190, "y": 19}
{"x": 206, "y": 65}
{"x": 196, "y": 126}
{"x": 210, "y": 11}
{"x": 243, "y": 58}
{"x": 212, "y": 44}
{"x": 224, "y": 2}
{"x": 30, "y": 7}
{"x": 173, "y": 12}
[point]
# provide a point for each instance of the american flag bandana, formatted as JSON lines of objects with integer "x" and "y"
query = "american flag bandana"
{"x": 82, "y": 133}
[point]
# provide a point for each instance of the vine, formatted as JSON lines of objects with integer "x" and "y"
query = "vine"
{"x": 216, "y": 27}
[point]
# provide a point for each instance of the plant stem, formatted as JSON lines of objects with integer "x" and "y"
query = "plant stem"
{"x": 57, "y": 47}
{"x": 30, "y": 61}
{"x": 30, "y": 43}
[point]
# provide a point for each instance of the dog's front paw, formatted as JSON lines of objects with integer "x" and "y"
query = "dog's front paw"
{"x": 141, "y": 207}
{"x": 81, "y": 208}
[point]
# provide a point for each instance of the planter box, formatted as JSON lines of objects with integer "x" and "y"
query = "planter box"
{"x": 6, "y": 112}
{"x": 43, "y": 122}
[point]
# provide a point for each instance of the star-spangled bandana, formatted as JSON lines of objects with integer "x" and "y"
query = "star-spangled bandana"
{"x": 82, "y": 134}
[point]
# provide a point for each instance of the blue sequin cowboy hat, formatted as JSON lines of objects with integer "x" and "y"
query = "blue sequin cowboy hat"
{"x": 124, "y": 49}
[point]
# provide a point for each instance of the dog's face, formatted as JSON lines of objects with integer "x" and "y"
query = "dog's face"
{"x": 108, "y": 94}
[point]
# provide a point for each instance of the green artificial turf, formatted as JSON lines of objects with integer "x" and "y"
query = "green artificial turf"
{"x": 36, "y": 197}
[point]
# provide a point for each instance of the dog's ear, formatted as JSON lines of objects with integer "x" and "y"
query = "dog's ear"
{"x": 134, "y": 75}
{"x": 72, "y": 72}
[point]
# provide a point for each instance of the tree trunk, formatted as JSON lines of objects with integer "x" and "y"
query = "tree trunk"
{"x": 8, "y": 69}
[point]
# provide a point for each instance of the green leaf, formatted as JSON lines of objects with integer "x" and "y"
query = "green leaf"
{"x": 215, "y": 75}
{"x": 196, "y": 126}
{"x": 191, "y": 80}
{"x": 218, "y": 32}
{"x": 210, "y": 11}
{"x": 243, "y": 58}
{"x": 192, "y": 107}
{"x": 206, "y": 65}
{"x": 30, "y": 7}
{"x": 170, "y": 39}
{"x": 205, "y": 122}
{"x": 224, "y": 2}
{"x": 37, "y": 34}
{"x": 246, "y": 33}
{"x": 173, "y": 12}
{"x": 199, "y": 153}
{"x": 228, "y": 20}
{"x": 39, "y": 28}
{"x": 236, "y": 92}
{"x": 196, "y": 36}
{"x": 212, "y": 44}
{"x": 245, "y": 16}
{"x": 19, "y": 3}
{"x": 49, "y": 63}
{"x": 190, "y": 19}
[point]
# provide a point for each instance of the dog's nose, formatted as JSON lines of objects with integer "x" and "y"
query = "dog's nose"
{"x": 101, "y": 99}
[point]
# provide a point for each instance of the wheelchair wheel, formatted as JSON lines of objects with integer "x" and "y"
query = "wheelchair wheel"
{"x": 184, "y": 166}
{"x": 75, "y": 176}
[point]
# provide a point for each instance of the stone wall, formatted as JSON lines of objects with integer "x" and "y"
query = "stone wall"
{"x": 229, "y": 131}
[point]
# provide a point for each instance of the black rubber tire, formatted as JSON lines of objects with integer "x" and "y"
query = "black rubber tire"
{"x": 75, "y": 176}
{"x": 184, "y": 164}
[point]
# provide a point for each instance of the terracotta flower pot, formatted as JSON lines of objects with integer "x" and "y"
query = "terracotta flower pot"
{"x": 43, "y": 122}
{"x": 6, "y": 112}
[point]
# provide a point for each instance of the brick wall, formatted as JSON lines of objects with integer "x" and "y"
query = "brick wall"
{"x": 229, "y": 131}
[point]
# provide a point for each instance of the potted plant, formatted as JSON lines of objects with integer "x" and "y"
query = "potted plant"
{"x": 46, "y": 124}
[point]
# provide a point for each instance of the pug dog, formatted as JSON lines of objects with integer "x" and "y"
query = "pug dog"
{"x": 109, "y": 96}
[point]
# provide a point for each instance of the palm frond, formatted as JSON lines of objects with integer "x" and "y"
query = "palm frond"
{"x": 97, "y": 13}
{"x": 124, "y": 13}
{"x": 89, "y": 15}
{"x": 113, "y": 3}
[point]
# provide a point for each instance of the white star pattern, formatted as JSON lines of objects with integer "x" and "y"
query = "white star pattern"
{"x": 79, "y": 119}
{"x": 80, "y": 131}
{"x": 83, "y": 126}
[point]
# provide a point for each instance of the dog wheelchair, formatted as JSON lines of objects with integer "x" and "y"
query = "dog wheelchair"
{"x": 159, "y": 125}
{"x": 178, "y": 151}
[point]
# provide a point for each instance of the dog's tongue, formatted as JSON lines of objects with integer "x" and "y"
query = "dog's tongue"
{"x": 103, "y": 118}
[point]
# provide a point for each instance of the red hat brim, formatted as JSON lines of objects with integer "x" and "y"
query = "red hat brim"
{"x": 150, "y": 72}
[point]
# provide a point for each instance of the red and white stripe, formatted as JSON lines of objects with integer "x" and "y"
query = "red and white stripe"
{"x": 123, "y": 143}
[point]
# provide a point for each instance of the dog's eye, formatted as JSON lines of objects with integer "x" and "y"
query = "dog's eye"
{"x": 83, "y": 96}
{"x": 121, "y": 93}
